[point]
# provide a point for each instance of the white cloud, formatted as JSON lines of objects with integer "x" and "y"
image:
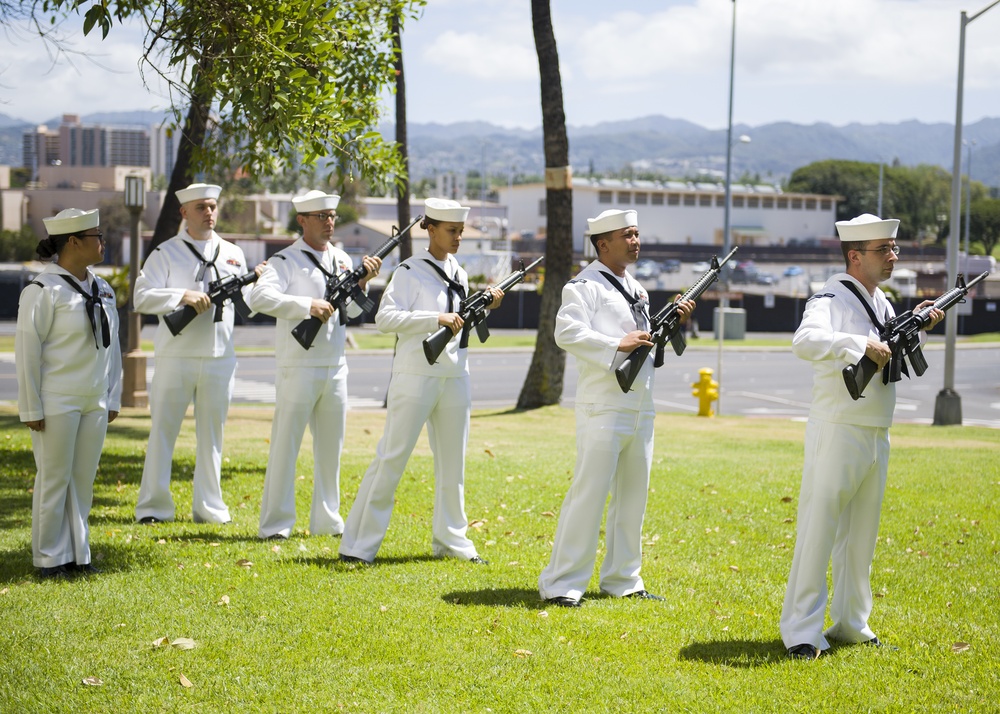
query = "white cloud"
{"x": 481, "y": 56}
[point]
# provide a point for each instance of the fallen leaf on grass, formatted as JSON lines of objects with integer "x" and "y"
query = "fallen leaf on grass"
{"x": 4, "y": 591}
{"x": 276, "y": 549}
{"x": 162, "y": 541}
{"x": 734, "y": 568}
{"x": 244, "y": 563}
{"x": 181, "y": 643}
{"x": 961, "y": 647}
{"x": 185, "y": 682}
{"x": 93, "y": 681}
{"x": 523, "y": 653}
{"x": 214, "y": 545}
{"x": 224, "y": 600}
{"x": 548, "y": 514}
{"x": 543, "y": 613}
{"x": 786, "y": 499}
{"x": 477, "y": 523}
{"x": 489, "y": 453}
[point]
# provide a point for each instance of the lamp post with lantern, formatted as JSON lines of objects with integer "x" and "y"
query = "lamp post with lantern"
{"x": 134, "y": 393}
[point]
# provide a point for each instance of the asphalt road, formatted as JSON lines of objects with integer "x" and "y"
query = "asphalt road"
{"x": 755, "y": 382}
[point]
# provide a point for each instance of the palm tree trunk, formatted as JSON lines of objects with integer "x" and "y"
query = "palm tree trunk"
{"x": 544, "y": 382}
{"x": 403, "y": 183}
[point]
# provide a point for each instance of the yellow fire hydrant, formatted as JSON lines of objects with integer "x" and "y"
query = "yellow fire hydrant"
{"x": 706, "y": 390}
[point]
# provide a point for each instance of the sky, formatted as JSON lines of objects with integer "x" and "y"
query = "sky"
{"x": 801, "y": 61}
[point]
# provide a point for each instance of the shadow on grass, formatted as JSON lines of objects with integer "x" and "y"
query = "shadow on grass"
{"x": 110, "y": 558}
{"x": 497, "y": 597}
{"x": 735, "y": 653}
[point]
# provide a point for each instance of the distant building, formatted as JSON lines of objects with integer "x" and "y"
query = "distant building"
{"x": 39, "y": 147}
{"x": 98, "y": 145}
{"x": 677, "y": 212}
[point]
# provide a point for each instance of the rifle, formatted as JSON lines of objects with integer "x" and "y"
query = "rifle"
{"x": 342, "y": 289}
{"x": 902, "y": 334}
{"x": 472, "y": 310}
{"x": 666, "y": 325}
{"x": 227, "y": 288}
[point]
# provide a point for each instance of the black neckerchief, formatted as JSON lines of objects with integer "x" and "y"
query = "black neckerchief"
{"x": 205, "y": 264}
{"x": 93, "y": 299}
{"x": 879, "y": 326}
{"x": 341, "y": 315}
{"x": 637, "y": 305}
{"x": 454, "y": 287}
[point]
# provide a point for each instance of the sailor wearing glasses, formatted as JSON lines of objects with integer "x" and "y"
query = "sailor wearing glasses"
{"x": 311, "y": 385}
{"x": 198, "y": 364}
{"x": 846, "y": 445}
{"x": 69, "y": 368}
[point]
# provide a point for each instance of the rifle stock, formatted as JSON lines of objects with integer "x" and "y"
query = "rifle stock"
{"x": 473, "y": 314}
{"x": 665, "y": 327}
{"x": 344, "y": 288}
{"x": 901, "y": 334}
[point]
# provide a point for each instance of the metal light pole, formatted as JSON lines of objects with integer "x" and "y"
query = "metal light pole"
{"x": 134, "y": 392}
{"x": 726, "y": 238}
{"x": 948, "y": 405}
{"x": 968, "y": 195}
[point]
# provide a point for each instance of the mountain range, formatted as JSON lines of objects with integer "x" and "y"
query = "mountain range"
{"x": 671, "y": 147}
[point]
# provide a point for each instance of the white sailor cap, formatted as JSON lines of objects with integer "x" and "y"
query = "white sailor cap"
{"x": 316, "y": 201}
{"x": 611, "y": 220}
{"x": 198, "y": 191}
{"x": 71, "y": 220}
{"x": 443, "y": 209}
{"x": 867, "y": 227}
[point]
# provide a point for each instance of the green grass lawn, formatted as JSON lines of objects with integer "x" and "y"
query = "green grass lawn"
{"x": 285, "y": 627}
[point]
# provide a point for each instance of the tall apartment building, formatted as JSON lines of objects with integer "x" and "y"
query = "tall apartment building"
{"x": 97, "y": 145}
{"x": 39, "y": 147}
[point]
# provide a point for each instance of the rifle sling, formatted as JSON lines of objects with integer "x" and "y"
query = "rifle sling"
{"x": 341, "y": 314}
{"x": 878, "y": 326}
{"x": 455, "y": 288}
{"x": 638, "y": 306}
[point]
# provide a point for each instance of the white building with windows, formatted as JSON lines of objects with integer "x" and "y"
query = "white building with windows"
{"x": 678, "y": 212}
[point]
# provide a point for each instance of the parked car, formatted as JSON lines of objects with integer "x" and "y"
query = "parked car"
{"x": 766, "y": 279}
{"x": 700, "y": 267}
{"x": 671, "y": 265}
{"x": 792, "y": 270}
{"x": 744, "y": 272}
{"x": 647, "y": 268}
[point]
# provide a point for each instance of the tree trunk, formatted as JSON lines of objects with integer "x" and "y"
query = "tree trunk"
{"x": 192, "y": 136}
{"x": 544, "y": 382}
{"x": 403, "y": 184}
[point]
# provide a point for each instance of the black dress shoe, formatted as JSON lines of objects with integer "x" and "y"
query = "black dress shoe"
{"x": 55, "y": 572}
{"x": 563, "y": 601}
{"x": 354, "y": 559}
{"x": 476, "y": 560}
{"x": 275, "y": 536}
{"x": 643, "y": 595}
{"x": 149, "y": 520}
{"x": 85, "y": 569}
{"x": 804, "y": 651}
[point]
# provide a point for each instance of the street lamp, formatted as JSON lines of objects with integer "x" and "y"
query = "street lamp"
{"x": 948, "y": 405}
{"x": 134, "y": 392}
{"x": 726, "y": 237}
{"x": 968, "y": 196}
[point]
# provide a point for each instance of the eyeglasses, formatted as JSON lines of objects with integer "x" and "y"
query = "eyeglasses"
{"x": 881, "y": 250}
{"x": 323, "y": 217}
{"x": 99, "y": 235}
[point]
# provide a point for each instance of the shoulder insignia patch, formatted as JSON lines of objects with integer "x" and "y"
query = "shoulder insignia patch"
{"x": 822, "y": 295}
{"x": 577, "y": 280}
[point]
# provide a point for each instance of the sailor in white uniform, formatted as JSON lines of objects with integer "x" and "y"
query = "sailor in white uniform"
{"x": 69, "y": 368}
{"x": 846, "y": 445}
{"x": 423, "y": 295}
{"x": 603, "y": 317}
{"x": 311, "y": 384}
{"x": 199, "y": 364}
